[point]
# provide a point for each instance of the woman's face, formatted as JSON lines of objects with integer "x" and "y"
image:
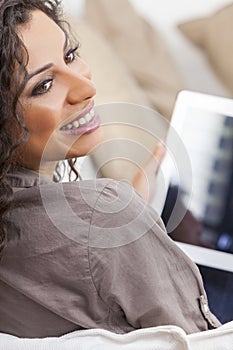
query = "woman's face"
{"x": 58, "y": 98}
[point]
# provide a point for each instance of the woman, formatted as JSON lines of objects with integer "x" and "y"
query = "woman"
{"x": 87, "y": 254}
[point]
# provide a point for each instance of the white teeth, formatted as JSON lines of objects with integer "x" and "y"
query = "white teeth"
{"x": 69, "y": 126}
{"x": 82, "y": 121}
{"x": 75, "y": 124}
{"x": 88, "y": 117}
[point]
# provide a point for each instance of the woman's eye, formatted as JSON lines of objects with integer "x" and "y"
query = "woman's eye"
{"x": 42, "y": 88}
{"x": 71, "y": 55}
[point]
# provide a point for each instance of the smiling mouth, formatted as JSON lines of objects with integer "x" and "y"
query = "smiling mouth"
{"x": 81, "y": 122}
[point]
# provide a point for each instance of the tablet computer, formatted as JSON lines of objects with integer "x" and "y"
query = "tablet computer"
{"x": 204, "y": 125}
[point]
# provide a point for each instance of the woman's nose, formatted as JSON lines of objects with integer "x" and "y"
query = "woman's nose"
{"x": 80, "y": 85}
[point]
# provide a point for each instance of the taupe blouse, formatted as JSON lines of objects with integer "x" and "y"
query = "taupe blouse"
{"x": 92, "y": 254}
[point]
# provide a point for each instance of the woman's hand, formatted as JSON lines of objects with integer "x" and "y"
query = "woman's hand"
{"x": 144, "y": 180}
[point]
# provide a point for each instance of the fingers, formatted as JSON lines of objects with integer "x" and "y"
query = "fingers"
{"x": 144, "y": 180}
{"x": 159, "y": 152}
{"x": 155, "y": 159}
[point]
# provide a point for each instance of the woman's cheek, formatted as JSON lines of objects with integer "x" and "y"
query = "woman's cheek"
{"x": 41, "y": 120}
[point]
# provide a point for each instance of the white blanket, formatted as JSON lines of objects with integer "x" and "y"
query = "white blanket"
{"x": 155, "y": 338}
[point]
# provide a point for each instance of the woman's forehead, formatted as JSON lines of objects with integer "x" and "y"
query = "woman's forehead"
{"x": 42, "y": 38}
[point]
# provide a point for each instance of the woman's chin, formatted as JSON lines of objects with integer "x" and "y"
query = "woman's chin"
{"x": 86, "y": 144}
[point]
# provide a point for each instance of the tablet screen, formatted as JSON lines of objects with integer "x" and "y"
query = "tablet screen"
{"x": 205, "y": 126}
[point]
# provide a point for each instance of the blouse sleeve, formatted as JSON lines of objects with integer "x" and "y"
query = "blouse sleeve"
{"x": 138, "y": 269}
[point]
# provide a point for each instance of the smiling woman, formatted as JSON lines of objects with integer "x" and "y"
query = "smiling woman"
{"x": 76, "y": 255}
{"x": 57, "y": 99}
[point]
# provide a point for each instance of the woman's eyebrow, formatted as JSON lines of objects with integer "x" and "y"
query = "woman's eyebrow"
{"x": 47, "y": 66}
{"x": 39, "y": 70}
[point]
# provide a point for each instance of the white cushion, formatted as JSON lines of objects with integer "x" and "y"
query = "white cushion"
{"x": 164, "y": 337}
{"x": 217, "y": 339}
{"x": 154, "y": 338}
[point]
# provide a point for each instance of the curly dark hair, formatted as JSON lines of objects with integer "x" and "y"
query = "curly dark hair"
{"x": 12, "y": 82}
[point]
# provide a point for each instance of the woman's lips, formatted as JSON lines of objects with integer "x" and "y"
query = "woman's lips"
{"x": 84, "y": 124}
{"x": 87, "y": 121}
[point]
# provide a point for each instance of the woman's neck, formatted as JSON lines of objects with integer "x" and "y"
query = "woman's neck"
{"x": 47, "y": 169}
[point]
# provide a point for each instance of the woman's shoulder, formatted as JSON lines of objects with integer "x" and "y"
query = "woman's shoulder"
{"x": 102, "y": 194}
{"x": 104, "y": 202}
{"x": 27, "y": 183}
